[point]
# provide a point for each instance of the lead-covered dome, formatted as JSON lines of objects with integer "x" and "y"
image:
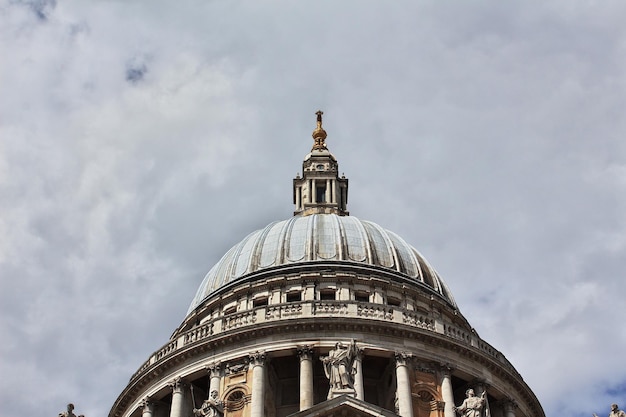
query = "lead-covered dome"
{"x": 320, "y": 238}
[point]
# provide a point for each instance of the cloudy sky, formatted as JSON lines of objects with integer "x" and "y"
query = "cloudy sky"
{"x": 139, "y": 140}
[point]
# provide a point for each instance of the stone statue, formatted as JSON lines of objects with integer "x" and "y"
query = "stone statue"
{"x": 616, "y": 412}
{"x": 211, "y": 407}
{"x": 472, "y": 405}
{"x": 339, "y": 367}
{"x": 69, "y": 412}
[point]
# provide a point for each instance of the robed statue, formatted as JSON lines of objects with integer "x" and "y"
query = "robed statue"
{"x": 69, "y": 412}
{"x": 615, "y": 412}
{"x": 211, "y": 407}
{"x": 472, "y": 405}
{"x": 339, "y": 367}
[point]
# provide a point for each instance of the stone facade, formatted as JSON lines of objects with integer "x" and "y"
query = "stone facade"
{"x": 262, "y": 339}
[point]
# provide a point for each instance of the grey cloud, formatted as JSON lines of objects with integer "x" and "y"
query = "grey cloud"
{"x": 488, "y": 135}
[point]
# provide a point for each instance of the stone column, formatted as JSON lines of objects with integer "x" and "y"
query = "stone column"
{"x": 358, "y": 378}
{"x": 215, "y": 375}
{"x": 403, "y": 381}
{"x": 306, "y": 377}
{"x": 257, "y": 362}
{"x": 333, "y": 192}
{"x": 313, "y": 198}
{"x": 327, "y": 191}
{"x": 480, "y": 386}
{"x": 298, "y": 193}
{"x": 446, "y": 391}
{"x": 509, "y": 408}
{"x": 147, "y": 407}
{"x": 178, "y": 396}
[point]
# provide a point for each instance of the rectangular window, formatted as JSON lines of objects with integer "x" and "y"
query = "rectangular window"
{"x": 320, "y": 194}
{"x": 259, "y": 302}
{"x": 327, "y": 295}
{"x": 292, "y": 297}
{"x": 393, "y": 301}
{"x": 361, "y": 296}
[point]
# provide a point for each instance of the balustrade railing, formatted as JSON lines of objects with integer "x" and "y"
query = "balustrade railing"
{"x": 320, "y": 308}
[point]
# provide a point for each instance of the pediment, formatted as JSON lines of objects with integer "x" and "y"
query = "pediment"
{"x": 344, "y": 406}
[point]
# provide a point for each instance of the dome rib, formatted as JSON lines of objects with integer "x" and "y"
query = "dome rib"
{"x": 319, "y": 238}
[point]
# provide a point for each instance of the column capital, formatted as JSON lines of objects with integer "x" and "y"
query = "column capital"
{"x": 214, "y": 369}
{"x": 257, "y": 358}
{"x": 177, "y": 385}
{"x": 359, "y": 353}
{"x": 147, "y": 403}
{"x": 403, "y": 358}
{"x": 446, "y": 369}
{"x": 509, "y": 404}
{"x": 305, "y": 352}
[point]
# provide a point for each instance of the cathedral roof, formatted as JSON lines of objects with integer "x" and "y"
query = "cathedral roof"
{"x": 321, "y": 238}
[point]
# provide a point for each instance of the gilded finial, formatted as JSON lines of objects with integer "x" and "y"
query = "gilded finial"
{"x": 319, "y": 134}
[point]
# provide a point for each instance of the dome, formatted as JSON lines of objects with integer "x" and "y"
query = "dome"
{"x": 321, "y": 238}
{"x": 320, "y": 315}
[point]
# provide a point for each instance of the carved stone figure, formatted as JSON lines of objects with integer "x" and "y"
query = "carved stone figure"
{"x": 211, "y": 407}
{"x": 616, "y": 412}
{"x": 472, "y": 405}
{"x": 339, "y": 367}
{"x": 69, "y": 412}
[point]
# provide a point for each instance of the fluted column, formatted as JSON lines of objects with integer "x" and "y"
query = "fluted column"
{"x": 403, "y": 381}
{"x": 358, "y": 378}
{"x": 147, "y": 407}
{"x": 306, "y": 377}
{"x": 509, "y": 408}
{"x": 215, "y": 376}
{"x": 446, "y": 392}
{"x": 178, "y": 404}
{"x": 257, "y": 362}
{"x": 313, "y": 197}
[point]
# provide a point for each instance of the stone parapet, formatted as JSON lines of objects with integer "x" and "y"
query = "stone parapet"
{"x": 302, "y": 310}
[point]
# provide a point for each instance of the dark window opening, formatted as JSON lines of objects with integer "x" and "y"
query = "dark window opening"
{"x": 320, "y": 194}
{"x": 393, "y": 301}
{"x": 293, "y": 297}
{"x": 259, "y": 302}
{"x": 362, "y": 297}
{"x": 327, "y": 295}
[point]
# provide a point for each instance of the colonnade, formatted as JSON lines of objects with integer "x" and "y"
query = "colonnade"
{"x": 257, "y": 363}
{"x": 330, "y": 192}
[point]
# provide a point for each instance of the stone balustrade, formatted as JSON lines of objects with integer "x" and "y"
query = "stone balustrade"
{"x": 317, "y": 308}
